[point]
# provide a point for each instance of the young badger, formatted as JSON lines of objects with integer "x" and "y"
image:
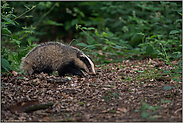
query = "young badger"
{"x": 55, "y": 56}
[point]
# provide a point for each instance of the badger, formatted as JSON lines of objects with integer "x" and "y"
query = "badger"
{"x": 54, "y": 56}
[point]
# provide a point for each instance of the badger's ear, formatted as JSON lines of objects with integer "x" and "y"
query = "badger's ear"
{"x": 80, "y": 55}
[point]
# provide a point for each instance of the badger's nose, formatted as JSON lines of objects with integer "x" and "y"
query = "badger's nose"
{"x": 93, "y": 73}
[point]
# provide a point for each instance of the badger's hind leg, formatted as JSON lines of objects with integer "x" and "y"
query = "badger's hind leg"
{"x": 26, "y": 66}
{"x": 48, "y": 70}
{"x": 28, "y": 69}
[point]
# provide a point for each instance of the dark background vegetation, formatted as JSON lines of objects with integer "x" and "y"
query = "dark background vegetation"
{"x": 109, "y": 31}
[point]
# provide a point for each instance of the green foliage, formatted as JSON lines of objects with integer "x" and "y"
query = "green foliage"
{"x": 149, "y": 50}
{"x": 165, "y": 101}
{"x": 81, "y": 103}
{"x": 109, "y": 95}
{"x": 167, "y": 87}
{"x": 10, "y": 59}
{"x": 105, "y": 42}
{"x": 5, "y": 64}
{"x": 145, "y": 113}
{"x": 143, "y": 25}
{"x": 109, "y": 31}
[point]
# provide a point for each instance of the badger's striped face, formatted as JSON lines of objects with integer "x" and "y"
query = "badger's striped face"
{"x": 85, "y": 63}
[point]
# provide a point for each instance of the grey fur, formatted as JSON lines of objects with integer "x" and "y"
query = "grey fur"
{"x": 55, "y": 56}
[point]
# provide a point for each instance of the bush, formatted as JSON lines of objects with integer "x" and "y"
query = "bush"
{"x": 11, "y": 52}
{"x": 110, "y": 31}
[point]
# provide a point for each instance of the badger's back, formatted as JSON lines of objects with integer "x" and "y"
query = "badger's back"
{"x": 47, "y": 57}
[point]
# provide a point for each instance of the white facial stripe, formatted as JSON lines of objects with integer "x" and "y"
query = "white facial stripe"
{"x": 92, "y": 65}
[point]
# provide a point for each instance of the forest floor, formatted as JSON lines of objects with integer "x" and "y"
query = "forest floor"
{"x": 119, "y": 92}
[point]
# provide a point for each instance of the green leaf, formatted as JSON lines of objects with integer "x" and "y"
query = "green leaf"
{"x": 90, "y": 40}
{"x": 2, "y": 24}
{"x": 78, "y": 26}
{"x": 145, "y": 114}
{"x": 29, "y": 41}
{"x": 138, "y": 71}
{"x": 159, "y": 37}
{"x": 174, "y": 32}
{"x": 167, "y": 87}
{"x": 29, "y": 16}
{"x": 151, "y": 108}
{"x": 75, "y": 9}
{"x": 67, "y": 115}
{"x": 17, "y": 42}
{"x": 144, "y": 106}
{"x": 107, "y": 61}
{"x": 112, "y": 111}
{"x": 165, "y": 101}
{"x": 163, "y": 42}
{"x": 9, "y": 21}
{"x": 81, "y": 13}
{"x": 115, "y": 95}
{"x": 3, "y": 86}
{"x": 24, "y": 28}
{"x": 50, "y": 22}
{"x": 57, "y": 4}
{"x": 81, "y": 103}
{"x": 6, "y": 31}
{"x": 5, "y": 64}
{"x": 48, "y": 4}
{"x": 8, "y": 36}
{"x": 15, "y": 37}
{"x": 91, "y": 28}
{"x": 82, "y": 44}
{"x": 96, "y": 32}
{"x": 84, "y": 28}
{"x": 73, "y": 22}
{"x": 69, "y": 78}
{"x": 20, "y": 77}
{"x": 104, "y": 34}
{"x": 174, "y": 79}
{"x": 149, "y": 50}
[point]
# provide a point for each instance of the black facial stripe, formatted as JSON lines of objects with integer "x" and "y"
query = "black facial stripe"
{"x": 90, "y": 58}
{"x": 85, "y": 60}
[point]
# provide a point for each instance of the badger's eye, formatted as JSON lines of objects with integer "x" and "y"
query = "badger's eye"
{"x": 89, "y": 68}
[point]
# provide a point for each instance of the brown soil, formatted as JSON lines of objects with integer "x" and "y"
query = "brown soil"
{"x": 120, "y": 92}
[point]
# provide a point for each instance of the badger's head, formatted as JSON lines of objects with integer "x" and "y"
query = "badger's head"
{"x": 85, "y": 63}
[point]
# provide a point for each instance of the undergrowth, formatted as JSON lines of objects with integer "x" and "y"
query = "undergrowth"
{"x": 102, "y": 42}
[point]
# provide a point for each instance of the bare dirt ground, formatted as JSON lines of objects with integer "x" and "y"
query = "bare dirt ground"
{"x": 128, "y": 91}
